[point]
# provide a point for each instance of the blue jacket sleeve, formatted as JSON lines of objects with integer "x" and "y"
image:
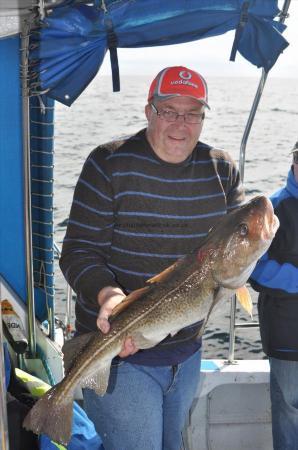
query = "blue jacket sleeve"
{"x": 274, "y": 276}
{"x": 270, "y": 275}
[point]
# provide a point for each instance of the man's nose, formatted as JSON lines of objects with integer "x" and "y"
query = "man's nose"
{"x": 180, "y": 118}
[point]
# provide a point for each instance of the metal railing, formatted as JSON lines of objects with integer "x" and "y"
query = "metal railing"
{"x": 27, "y": 189}
{"x": 233, "y": 325}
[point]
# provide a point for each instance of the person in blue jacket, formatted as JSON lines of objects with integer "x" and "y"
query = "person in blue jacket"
{"x": 276, "y": 279}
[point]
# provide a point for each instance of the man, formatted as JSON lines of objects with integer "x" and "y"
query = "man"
{"x": 139, "y": 205}
{"x": 276, "y": 278}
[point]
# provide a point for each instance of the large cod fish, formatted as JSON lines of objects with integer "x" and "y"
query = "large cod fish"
{"x": 183, "y": 294}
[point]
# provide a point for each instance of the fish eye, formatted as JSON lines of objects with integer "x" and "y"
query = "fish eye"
{"x": 243, "y": 229}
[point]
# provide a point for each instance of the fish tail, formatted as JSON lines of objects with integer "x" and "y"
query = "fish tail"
{"x": 52, "y": 415}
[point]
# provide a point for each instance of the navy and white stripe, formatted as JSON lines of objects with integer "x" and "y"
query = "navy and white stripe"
{"x": 133, "y": 215}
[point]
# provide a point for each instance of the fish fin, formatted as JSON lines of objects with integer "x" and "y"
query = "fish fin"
{"x": 131, "y": 298}
{"x": 138, "y": 293}
{"x": 99, "y": 381}
{"x": 52, "y": 415}
{"x": 72, "y": 348}
{"x": 162, "y": 276}
{"x": 244, "y": 298}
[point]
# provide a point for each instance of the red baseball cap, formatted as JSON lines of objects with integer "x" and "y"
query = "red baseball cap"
{"x": 178, "y": 81}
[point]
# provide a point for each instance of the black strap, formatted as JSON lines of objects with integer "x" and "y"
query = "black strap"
{"x": 239, "y": 30}
{"x": 112, "y": 45}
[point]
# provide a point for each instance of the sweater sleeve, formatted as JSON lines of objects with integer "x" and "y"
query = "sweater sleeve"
{"x": 235, "y": 190}
{"x": 229, "y": 176}
{"x": 87, "y": 242}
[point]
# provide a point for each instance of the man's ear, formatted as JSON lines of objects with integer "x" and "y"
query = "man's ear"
{"x": 148, "y": 111}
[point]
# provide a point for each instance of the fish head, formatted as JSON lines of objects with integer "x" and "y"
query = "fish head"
{"x": 239, "y": 240}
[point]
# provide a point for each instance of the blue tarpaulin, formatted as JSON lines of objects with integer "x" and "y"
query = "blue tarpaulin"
{"x": 83, "y": 437}
{"x": 71, "y": 45}
{"x": 12, "y": 204}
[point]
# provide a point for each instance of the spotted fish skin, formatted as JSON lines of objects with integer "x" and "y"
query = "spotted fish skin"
{"x": 183, "y": 294}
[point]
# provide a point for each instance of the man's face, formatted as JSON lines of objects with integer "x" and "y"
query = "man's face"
{"x": 173, "y": 141}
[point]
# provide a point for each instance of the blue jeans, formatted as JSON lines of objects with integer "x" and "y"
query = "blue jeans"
{"x": 145, "y": 407}
{"x": 284, "y": 401}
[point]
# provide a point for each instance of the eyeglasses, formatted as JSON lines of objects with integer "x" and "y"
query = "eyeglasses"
{"x": 172, "y": 116}
{"x": 295, "y": 157}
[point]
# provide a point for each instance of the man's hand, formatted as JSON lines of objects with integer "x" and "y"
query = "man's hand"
{"x": 108, "y": 298}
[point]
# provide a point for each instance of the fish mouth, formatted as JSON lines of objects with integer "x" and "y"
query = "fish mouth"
{"x": 275, "y": 224}
{"x": 271, "y": 222}
{"x": 265, "y": 222}
{"x": 260, "y": 228}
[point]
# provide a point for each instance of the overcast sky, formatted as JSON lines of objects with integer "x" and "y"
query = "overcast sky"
{"x": 209, "y": 56}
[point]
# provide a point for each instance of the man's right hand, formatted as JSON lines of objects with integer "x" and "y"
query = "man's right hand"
{"x": 108, "y": 298}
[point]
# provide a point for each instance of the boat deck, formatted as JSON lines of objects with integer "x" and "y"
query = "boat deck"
{"x": 231, "y": 410}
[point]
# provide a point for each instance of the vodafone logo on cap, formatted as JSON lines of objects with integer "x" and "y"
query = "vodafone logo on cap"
{"x": 185, "y": 75}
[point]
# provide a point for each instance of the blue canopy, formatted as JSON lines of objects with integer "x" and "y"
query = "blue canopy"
{"x": 73, "y": 40}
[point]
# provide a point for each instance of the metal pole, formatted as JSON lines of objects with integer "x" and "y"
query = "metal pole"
{"x": 27, "y": 192}
{"x": 3, "y": 409}
{"x": 250, "y": 122}
{"x": 283, "y": 15}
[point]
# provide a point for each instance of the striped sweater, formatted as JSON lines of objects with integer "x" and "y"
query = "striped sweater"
{"x": 133, "y": 215}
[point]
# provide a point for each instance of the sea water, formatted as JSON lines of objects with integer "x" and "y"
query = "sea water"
{"x": 99, "y": 115}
